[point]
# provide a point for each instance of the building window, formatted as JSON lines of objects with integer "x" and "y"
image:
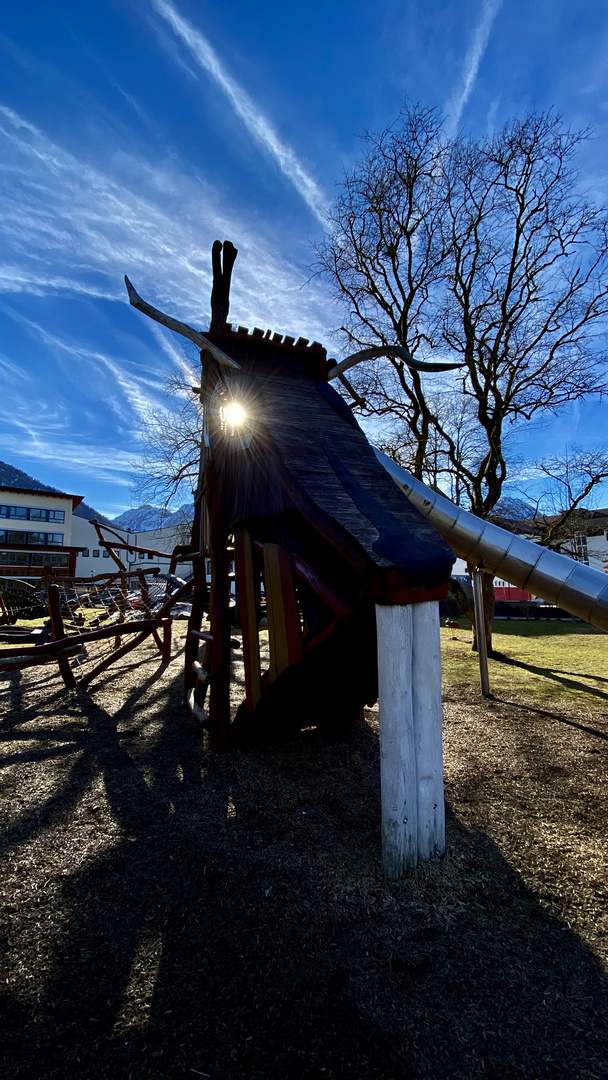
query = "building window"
{"x": 60, "y": 560}
{"x": 95, "y": 553}
{"x": 85, "y": 553}
{"x": 55, "y": 538}
{"x": 150, "y": 556}
{"x": 106, "y": 554}
{"x": 40, "y": 558}
{"x": 34, "y": 513}
{"x": 36, "y": 538}
{"x": 7, "y": 536}
{"x": 13, "y": 558}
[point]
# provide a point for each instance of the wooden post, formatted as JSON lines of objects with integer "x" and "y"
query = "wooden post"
{"x": 397, "y": 739}
{"x": 199, "y": 598}
{"x": 480, "y": 627}
{"x": 167, "y": 625}
{"x": 247, "y": 596}
{"x": 219, "y": 683}
{"x": 426, "y": 699}
{"x": 59, "y": 633}
{"x": 145, "y": 593}
{"x": 284, "y": 632}
{"x": 411, "y": 758}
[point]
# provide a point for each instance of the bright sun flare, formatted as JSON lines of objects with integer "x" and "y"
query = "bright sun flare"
{"x": 234, "y": 415}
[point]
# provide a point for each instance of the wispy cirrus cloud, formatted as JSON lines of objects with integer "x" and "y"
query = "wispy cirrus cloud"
{"x": 479, "y": 42}
{"x": 118, "y": 381}
{"x": 257, "y": 124}
{"x": 89, "y": 460}
{"x": 70, "y": 227}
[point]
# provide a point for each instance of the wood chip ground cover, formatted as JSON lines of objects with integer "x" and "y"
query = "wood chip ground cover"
{"x": 165, "y": 912}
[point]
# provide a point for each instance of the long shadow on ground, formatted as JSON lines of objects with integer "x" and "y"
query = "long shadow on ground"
{"x": 237, "y": 924}
{"x": 557, "y": 676}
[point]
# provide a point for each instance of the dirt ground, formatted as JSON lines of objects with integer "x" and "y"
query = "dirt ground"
{"x": 165, "y": 912}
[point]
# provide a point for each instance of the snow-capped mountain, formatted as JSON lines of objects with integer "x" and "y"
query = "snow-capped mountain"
{"x": 144, "y": 518}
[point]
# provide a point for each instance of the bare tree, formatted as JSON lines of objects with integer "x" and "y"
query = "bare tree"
{"x": 486, "y": 251}
{"x": 172, "y": 440}
{"x": 570, "y": 483}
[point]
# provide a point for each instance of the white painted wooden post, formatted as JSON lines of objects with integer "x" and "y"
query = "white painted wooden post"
{"x": 426, "y": 701}
{"x": 411, "y": 755}
{"x": 397, "y": 739}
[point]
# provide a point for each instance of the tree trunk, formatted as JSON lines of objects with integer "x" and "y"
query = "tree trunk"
{"x": 465, "y": 603}
{"x": 489, "y": 603}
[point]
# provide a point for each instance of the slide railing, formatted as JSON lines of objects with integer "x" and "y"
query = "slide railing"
{"x": 569, "y": 584}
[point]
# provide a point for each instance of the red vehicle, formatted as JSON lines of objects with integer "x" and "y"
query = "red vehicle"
{"x": 504, "y": 591}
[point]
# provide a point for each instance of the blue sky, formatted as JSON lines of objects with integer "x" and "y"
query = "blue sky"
{"x": 135, "y": 132}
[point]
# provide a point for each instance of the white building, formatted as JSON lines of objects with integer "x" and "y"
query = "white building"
{"x": 92, "y": 558}
{"x": 36, "y": 532}
{"x": 162, "y": 540}
{"x": 39, "y": 529}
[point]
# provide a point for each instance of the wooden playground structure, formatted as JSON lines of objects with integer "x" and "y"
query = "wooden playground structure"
{"x": 304, "y": 522}
{"x": 291, "y": 494}
{"x": 93, "y": 622}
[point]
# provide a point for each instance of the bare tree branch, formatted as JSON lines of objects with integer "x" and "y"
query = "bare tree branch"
{"x": 481, "y": 251}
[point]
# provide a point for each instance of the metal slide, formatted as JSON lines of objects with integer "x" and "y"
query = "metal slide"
{"x": 563, "y": 581}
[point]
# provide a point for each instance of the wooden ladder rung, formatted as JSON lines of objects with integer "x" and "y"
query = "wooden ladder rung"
{"x": 204, "y": 635}
{"x": 201, "y": 673}
{"x": 201, "y": 715}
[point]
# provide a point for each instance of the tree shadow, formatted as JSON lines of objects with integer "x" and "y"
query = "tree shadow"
{"x": 236, "y": 924}
{"x": 556, "y": 676}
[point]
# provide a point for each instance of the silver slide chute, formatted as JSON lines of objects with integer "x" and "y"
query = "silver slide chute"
{"x": 565, "y": 582}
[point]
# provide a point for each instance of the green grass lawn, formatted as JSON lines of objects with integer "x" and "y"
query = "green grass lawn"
{"x": 545, "y": 663}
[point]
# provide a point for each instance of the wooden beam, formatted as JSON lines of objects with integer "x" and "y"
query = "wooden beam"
{"x": 322, "y": 589}
{"x": 411, "y": 759}
{"x": 179, "y": 327}
{"x": 116, "y": 654}
{"x": 219, "y": 615}
{"x": 428, "y": 723}
{"x": 107, "y": 544}
{"x": 398, "y": 351}
{"x": 59, "y": 634}
{"x": 167, "y": 632}
{"x": 397, "y": 740}
{"x": 248, "y": 588}
{"x": 16, "y": 663}
{"x": 284, "y": 632}
{"x": 134, "y": 627}
{"x": 480, "y": 633}
{"x": 200, "y": 599}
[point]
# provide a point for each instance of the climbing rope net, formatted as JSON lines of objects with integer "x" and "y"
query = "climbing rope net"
{"x": 120, "y": 600}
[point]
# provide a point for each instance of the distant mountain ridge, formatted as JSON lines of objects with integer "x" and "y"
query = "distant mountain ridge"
{"x": 144, "y": 518}
{"x": 139, "y": 519}
{"x": 11, "y": 476}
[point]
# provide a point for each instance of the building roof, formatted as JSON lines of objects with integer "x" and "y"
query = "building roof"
{"x": 76, "y": 499}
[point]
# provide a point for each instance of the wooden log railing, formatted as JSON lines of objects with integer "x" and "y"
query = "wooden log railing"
{"x": 66, "y": 645}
